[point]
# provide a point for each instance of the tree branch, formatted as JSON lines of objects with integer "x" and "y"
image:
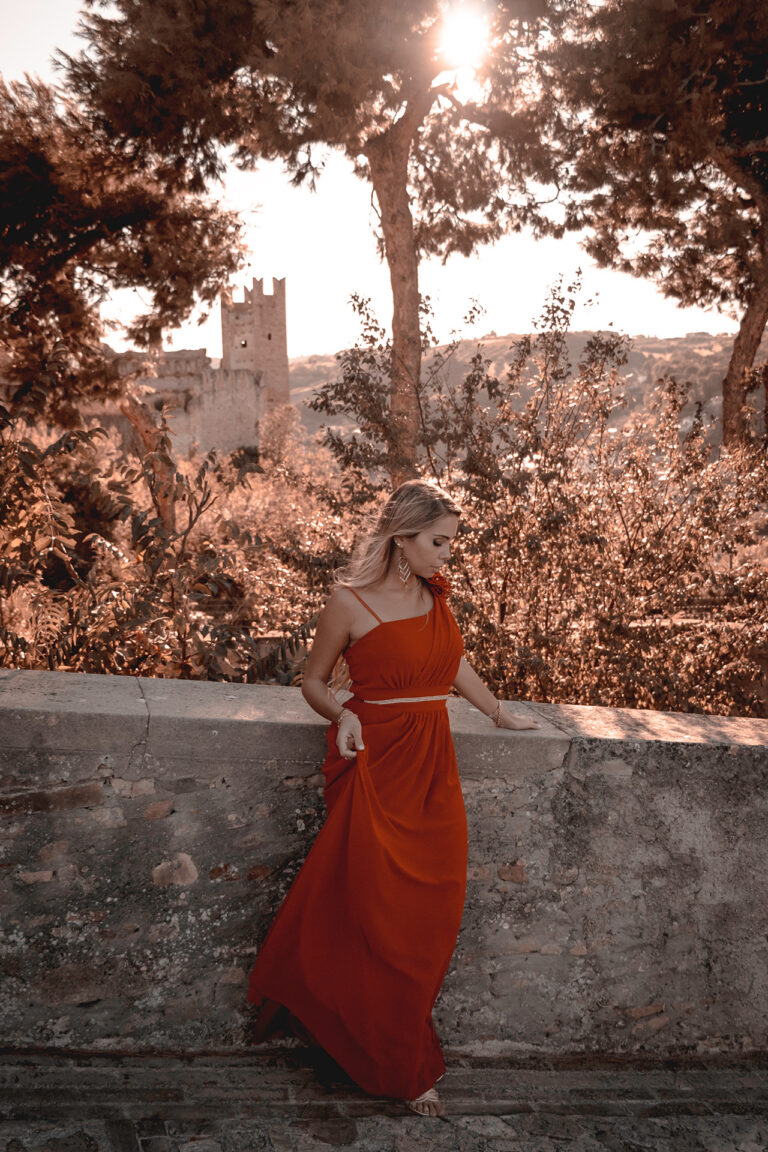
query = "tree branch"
{"x": 150, "y": 438}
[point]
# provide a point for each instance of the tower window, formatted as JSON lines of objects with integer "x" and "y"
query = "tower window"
{"x": 243, "y": 343}
{"x": 269, "y": 335}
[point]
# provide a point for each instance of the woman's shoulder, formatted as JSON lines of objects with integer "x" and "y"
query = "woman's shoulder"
{"x": 338, "y": 615}
{"x": 344, "y": 599}
{"x": 340, "y": 597}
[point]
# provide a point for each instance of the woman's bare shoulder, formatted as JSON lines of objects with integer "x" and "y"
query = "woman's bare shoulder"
{"x": 340, "y": 604}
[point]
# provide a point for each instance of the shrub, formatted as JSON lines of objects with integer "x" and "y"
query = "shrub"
{"x": 95, "y": 580}
{"x": 584, "y": 548}
{"x": 596, "y": 564}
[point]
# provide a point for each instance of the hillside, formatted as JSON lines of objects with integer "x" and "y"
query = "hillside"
{"x": 698, "y": 358}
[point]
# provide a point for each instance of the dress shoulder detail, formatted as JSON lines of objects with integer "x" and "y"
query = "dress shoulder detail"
{"x": 440, "y": 584}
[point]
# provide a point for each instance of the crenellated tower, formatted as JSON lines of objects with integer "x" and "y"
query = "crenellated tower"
{"x": 253, "y": 336}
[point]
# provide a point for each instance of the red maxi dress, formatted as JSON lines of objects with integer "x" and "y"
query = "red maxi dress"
{"x": 361, "y": 944}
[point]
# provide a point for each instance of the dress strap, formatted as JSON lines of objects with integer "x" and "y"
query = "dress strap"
{"x": 366, "y": 605}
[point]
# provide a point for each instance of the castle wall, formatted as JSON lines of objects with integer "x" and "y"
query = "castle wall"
{"x": 216, "y": 409}
{"x": 207, "y": 407}
{"x": 220, "y": 408}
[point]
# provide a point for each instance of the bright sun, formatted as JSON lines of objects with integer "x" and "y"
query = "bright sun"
{"x": 464, "y": 38}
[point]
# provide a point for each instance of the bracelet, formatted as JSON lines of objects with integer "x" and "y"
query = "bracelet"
{"x": 495, "y": 716}
{"x": 344, "y": 712}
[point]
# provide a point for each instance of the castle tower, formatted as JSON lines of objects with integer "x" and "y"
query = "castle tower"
{"x": 253, "y": 336}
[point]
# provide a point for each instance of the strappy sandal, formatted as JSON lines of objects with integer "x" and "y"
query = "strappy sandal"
{"x": 428, "y": 1097}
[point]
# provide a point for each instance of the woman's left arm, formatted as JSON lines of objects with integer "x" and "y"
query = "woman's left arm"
{"x": 471, "y": 687}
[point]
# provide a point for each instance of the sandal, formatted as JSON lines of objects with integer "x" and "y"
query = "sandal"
{"x": 428, "y": 1097}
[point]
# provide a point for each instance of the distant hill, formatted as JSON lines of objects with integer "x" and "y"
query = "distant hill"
{"x": 699, "y": 358}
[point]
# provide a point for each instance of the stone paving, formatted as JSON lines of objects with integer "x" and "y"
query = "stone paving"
{"x": 290, "y": 1102}
{"x": 533, "y": 1133}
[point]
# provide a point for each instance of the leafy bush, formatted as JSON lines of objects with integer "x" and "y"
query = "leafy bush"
{"x": 595, "y": 565}
{"x": 583, "y": 548}
{"x": 94, "y": 579}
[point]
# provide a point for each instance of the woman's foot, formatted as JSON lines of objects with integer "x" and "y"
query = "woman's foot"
{"x": 428, "y": 1104}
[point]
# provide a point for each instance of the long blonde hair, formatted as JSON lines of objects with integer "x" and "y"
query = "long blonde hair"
{"x": 409, "y": 510}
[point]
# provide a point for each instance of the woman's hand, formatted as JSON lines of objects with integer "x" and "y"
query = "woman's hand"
{"x": 471, "y": 687}
{"x": 349, "y": 738}
{"x": 507, "y": 720}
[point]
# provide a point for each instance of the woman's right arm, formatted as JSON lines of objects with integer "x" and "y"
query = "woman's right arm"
{"x": 331, "y": 638}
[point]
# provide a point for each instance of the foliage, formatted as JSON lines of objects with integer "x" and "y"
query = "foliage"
{"x": 654, "y": 116}
{"x": 94, "y": 574}
{"x": 361, "y": 391}
{"x": 641, "y": 121}
{"x": 283, "y": 80}
{"x": 586, "y": 552}
{"x": 585, "y": 558}
{"x": 192, "y": 78}
{"x": 36, "y": 521}
{"x": 93, "y": 581}
{"x": 82, "y": 215}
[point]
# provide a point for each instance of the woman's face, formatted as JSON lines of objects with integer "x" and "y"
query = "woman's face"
{"x": 429, "y": 549}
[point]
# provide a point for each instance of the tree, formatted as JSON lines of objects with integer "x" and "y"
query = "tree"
{"x": 80, "y": 215}
{"x": 276, "y": 78}
{"x": 593, "y": 535}
{"x": 656, "y": 113}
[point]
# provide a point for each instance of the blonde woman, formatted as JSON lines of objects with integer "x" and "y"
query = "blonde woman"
{"x": 360, "y": 946}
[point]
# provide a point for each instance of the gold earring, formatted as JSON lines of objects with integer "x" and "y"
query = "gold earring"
{"x": 403, "y": 567}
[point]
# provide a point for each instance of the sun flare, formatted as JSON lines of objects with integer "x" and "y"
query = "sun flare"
{"x": 464, "y": 36}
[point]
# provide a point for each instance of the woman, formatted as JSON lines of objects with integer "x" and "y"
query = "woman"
{"x": 359, "y": 949}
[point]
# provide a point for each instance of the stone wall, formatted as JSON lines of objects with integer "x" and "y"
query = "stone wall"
{"x": 616, "y": 897}
{"x": 208, "y": 407}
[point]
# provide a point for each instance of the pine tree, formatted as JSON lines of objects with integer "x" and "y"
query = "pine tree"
{"x": 81, "y": 216}
{"x": 278, "y": 78}
{"x": 656, "y": 117}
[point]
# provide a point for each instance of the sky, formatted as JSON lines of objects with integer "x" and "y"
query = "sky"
{"x": 323, "y": 244}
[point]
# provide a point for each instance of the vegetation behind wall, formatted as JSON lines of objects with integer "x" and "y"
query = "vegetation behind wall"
{"x": 608, "y": 562}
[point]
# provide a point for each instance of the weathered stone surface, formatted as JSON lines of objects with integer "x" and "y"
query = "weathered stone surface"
{"x": 634, "y": 872}
{"x": 69, "y": 796}
{"x": 59, "y": 711}
{"x": 277, "y": 1100}
{"x": 158, "y": 810}
{"x": 644, "y": 724}
{"x": 231, "y": 722}
{"x": 484, "y": 751}
{"x": 180, "y": 870}
{"x": 454, "y": 1133}
{"x": 618, "y": 864}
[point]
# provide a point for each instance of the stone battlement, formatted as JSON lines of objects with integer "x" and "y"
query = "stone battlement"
{"x": 618, "y": 865}
{"x": 253, "y": 337}
{"x": 221, "y": 407}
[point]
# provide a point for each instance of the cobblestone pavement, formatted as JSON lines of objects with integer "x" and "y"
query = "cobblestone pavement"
{"x": 239, "y": 1104}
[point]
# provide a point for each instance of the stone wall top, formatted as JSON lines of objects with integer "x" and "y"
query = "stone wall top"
{"x": 253, "y": 721}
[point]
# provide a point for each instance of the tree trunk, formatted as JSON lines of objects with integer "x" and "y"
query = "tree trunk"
{"x": 387, "y": 157}
{"x": 155, "y": 457}
{"x": 745, "y": 346}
